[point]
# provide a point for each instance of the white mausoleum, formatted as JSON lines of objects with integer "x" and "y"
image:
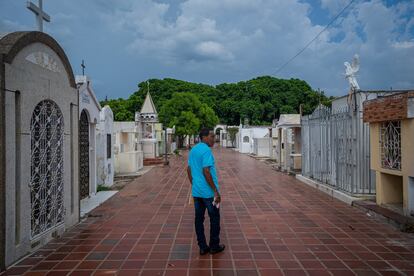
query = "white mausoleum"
{"x": 39, "y": 181}
{"x": 128, "y": 154}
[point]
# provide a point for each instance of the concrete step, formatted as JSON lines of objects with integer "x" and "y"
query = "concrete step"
{"x": 404, "y": 223}
{"x": 153, "y": 161}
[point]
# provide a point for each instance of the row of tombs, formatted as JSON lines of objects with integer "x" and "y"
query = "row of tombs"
{"x": 57, "y": 144}
{"x": 362, "y": 145}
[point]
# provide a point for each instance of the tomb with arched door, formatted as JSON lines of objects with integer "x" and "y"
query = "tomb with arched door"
{"x": 39, "y": 196}
{"x": 89, "y": 117}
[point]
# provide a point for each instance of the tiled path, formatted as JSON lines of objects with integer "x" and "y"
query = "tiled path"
{"x": 271, "y": 224}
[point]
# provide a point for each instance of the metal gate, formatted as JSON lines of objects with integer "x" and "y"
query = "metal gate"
{"x": 84, "y": 155}
{"x": 46, "y": 181}
{"x": 336, "y": 149}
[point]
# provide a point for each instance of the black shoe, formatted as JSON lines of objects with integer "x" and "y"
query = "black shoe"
{"x": 218, "y": 249}
{"x": 204, "y": 251}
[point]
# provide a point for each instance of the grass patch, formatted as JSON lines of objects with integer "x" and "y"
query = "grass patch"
{"x": 103, "y": 188}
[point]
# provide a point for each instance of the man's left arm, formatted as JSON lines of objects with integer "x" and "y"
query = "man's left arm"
{"x": 189, "y": 175}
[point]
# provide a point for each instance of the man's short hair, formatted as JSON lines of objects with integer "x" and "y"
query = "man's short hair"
{"x": 205, "y": 131}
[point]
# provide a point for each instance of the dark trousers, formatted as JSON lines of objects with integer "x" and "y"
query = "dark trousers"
{"x": 200, "y": 205}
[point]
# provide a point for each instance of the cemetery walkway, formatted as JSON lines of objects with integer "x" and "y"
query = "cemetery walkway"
{"x": 271, "y": 224}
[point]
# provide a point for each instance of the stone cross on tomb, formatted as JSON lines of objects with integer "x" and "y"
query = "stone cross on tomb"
{"x": 40, "y": 14}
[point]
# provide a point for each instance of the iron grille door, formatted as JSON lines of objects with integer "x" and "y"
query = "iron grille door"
{"x": 46, "y": 181}
{"x": 84, "y": 155}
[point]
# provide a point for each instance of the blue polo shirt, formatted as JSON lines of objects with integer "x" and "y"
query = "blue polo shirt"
{"x": 201, "y": 157}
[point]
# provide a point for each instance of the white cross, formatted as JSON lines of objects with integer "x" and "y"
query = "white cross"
{"x": 40, "y": 14}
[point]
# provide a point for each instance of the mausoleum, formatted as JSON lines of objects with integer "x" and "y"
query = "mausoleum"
{"x": 391, "y": 124}
{"x": 246, "y": 136}
{"x": 128, "y": 149}
{"x": 146, "y": 121}
{"x": 89, "y": 117}
{"x": 289, "y": 142}
{"x": 39, "y": 156}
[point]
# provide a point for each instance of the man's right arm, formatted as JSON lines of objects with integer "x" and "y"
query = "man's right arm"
{"x": 209, "y": 179}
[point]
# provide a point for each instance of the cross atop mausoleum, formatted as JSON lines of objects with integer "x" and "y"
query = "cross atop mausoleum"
{"x": 83, "y": 67}
{"x": 40, "y": 14}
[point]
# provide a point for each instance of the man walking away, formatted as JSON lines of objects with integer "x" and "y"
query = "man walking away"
{"x": 202, "y": 174}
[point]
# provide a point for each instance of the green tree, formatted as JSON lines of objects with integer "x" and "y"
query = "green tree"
{"x": 120, "y": 109}
{"x": 185, "y": 124}
{"x": 232, "y": 133}
{"x": 187, "y": 113}
{"x": 259, "y": 100}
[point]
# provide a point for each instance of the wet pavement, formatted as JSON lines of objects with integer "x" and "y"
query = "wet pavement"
{"x": 272, "y": 224}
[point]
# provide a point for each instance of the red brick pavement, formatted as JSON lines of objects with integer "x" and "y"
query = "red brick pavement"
{"x": 271, "y": 223}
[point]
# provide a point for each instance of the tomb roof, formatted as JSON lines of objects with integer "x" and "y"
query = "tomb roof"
{"x": 11, "y": 44}
{"x": 84, "y": 84}
{"x": 289, "y": 120}
{"x": 148, "y": 106}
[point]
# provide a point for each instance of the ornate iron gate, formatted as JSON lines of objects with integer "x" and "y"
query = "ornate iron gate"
{"x": 46, "y": 181}
{"x": 84, "y": 155}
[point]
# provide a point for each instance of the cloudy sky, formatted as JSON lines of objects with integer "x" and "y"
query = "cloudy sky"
{"x": 125, "y": 42}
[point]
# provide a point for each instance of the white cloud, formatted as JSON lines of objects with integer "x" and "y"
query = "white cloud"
{"x": 334, "y": 6}
{"x": 214, "y": 50}
{"x": 403, "y": 44}
{"x": 230, "y": 40}
{"x": 217, "y": 41}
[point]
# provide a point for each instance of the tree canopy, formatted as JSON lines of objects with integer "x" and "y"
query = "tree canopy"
{"x": 259, "y": 100}
{"x": 187, "y": 113}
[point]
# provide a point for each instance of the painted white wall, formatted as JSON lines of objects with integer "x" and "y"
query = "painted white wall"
{"x": 128, "y": 157}
{"x": 262, "y": 146}
{"x": 105, "y": 166}
{"x": 149, "y": 148}
{"x": 251, "y": 133}
{"x": 128, "y": 162}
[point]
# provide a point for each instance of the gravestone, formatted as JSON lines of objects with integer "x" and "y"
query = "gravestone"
{"x": 38, "y": 143}
{"x": 105, "y": 148}
{"x": 89, "y": 117}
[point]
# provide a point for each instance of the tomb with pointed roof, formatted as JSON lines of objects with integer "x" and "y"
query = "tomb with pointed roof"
{"x": 148, "y": 111}
{"x": 147, "y": 122}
